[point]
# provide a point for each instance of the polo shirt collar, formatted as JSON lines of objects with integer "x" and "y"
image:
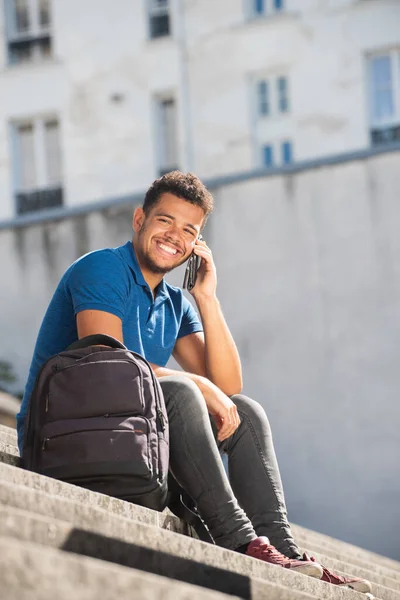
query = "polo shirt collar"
{"x": 138, "y": 275}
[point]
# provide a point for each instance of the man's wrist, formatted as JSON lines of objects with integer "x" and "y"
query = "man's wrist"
{"x": 205, "y": 301}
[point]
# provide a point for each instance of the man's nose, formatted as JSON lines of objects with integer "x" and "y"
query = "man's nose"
{"x": 173, "y": 233}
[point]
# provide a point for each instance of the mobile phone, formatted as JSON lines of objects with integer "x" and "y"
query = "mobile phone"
{"x": 192, "y": 267}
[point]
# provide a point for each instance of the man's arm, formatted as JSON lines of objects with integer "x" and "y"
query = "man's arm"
{"x": 214, "y": 353}
{"x": 218, "y": 404}
{"x": 89, "y": 322}
{"x": 223, "y": 410}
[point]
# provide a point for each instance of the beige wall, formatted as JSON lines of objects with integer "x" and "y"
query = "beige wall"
{"x": 309, "y": 279}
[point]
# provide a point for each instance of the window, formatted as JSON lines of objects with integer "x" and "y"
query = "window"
{"x": 259, "y": 7}
{"x": 159, "y": 18}
{"x": 384, "y": 97}
{"x": 28, "y": 30}
{"x": 37, "y": 165}
{"x": 263, "y": 98}
{"x": 268, "y": 156}
{"x": 269, "y": 104}
{"x": 287, "y": 153}
{"x": 266, "y": 7}
{"x": 282, "y": 89}
{"x": 167, "y": 135}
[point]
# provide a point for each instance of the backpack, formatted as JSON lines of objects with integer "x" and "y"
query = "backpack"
{"x": 97, "y": 419}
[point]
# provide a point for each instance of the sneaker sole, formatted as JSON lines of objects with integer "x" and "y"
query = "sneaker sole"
{"x": 309, "y": 568}
{"x": 360, "y": 586}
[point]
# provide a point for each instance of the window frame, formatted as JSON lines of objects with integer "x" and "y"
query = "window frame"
{"x": 386, "y": 130}
{"x": 283, "y": 93}
{"x": 35, "y": 31}
{"x": 161, "y": 163}
{"x": 268, "y": 8}
{"x": 287, "y": 152}
{"x": 394, "y": 56}
{"x": 263, "y": 98}
{"x": 32, "y": 38}
{"x": 273, "y": 96}
{"x": 270, "y": 148}
{"x": 43, "y": 186}
{"x": 154, "y": 11}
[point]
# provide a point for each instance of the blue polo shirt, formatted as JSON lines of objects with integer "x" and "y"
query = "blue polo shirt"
{"x": 111, "y": 280}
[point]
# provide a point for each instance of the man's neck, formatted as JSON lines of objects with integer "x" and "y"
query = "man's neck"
{"x": 152, "y": 279}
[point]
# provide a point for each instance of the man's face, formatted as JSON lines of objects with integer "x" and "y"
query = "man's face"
{"x": 165, "y": 238}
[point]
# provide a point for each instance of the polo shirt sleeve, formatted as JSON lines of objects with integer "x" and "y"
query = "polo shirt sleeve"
{"x": 99, "y": 281}
{"x": 190, "y": 322}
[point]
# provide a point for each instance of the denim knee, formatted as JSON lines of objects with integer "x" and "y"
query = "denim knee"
{"x": 183, "y": 393}
{"x": 251, "y": 409}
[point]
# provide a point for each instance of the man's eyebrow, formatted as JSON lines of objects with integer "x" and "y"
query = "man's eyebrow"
{"x": 161, "y": 214}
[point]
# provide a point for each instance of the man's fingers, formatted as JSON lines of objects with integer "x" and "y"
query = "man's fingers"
{"x": 230, "y": 422}
{"x": 226, "y": 428}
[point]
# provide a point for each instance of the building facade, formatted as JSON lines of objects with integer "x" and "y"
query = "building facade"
{"x": 100, "y": 97}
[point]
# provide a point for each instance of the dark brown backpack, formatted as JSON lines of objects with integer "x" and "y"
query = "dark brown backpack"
{"x": 97, "y": 419}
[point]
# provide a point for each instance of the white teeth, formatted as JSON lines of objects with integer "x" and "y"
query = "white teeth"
{"x": 167, "y": 249}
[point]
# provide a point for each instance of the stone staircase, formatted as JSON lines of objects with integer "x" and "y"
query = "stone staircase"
{"x": 61, "y": 541}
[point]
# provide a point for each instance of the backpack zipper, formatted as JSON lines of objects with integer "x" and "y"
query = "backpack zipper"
{"x": 161, "y": 417}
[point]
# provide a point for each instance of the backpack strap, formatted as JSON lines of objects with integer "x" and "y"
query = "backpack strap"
{"x": 184, "y": 507}
{"x": 98, "y": 339}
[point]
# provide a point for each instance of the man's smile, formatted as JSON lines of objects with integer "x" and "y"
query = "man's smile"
{"x": 167, "y": 249}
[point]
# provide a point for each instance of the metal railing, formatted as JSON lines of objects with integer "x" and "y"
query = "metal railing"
{"x": 36, "y": 200}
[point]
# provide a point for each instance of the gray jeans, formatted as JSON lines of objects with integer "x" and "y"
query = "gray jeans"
{"x": 251, "y": 502}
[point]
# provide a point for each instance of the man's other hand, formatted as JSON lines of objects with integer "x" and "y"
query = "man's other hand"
{"x": 221, "y": 408}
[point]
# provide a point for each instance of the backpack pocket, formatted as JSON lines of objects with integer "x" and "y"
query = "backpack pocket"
{"x": 89, "y": 389}
{"x": 99, "y": 446}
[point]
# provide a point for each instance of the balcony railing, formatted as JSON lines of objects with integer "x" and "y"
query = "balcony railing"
{"x": 159, "y": 25}
{"x": 386, "y": 135}
{"x": 36, "y": 200}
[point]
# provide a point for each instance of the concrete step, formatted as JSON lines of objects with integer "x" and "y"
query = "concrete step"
{"x": 384, "y": 588}
{"x": 380, "y": 575}
{"x": 8, "y": 436}
{"x": 54, "y": 487}
{"x": 60, "y": 535}
{"x": 305, "y": 537}
{"x": 31, "y": 572}
{"x": 9, "y": 448}
{"x": 310, "y": 537}
{"x": 164, "y": 520}
{"x": 104, "y": 523}
{"x": 337, "y": 555}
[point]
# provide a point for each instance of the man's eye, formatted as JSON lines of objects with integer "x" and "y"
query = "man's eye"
{"x": 190, "y": 232}
{"x": 163, "y": 220}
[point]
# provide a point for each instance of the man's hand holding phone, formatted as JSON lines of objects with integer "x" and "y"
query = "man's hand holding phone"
{"x": 205, "y": 276}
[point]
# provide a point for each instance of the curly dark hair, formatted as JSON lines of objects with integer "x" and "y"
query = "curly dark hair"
{"x": 186, "y": 186}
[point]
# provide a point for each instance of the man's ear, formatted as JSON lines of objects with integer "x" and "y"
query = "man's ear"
{"x": 138, "y": 219}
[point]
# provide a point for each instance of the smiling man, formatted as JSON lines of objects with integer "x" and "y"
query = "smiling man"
{"x": 121, "y": 292}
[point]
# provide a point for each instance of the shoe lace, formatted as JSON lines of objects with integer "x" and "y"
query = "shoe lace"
{"x": 272, "y": 552}
{"x": 329, "y": 575}
{"x": 333, "y": 577}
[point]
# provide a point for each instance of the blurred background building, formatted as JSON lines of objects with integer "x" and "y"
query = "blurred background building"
{"x": 290, "y": 110}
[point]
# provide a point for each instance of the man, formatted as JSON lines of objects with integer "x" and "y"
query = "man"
{"x": 121, "y": 292}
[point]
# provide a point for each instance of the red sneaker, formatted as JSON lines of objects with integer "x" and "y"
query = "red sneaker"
{"x": 355, "y": 583}
{"x": 261, "y": 548}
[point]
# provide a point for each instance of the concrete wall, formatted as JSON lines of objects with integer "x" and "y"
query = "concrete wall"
{"x": 309, "y": 278}
{"x": 210, "y": 63}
